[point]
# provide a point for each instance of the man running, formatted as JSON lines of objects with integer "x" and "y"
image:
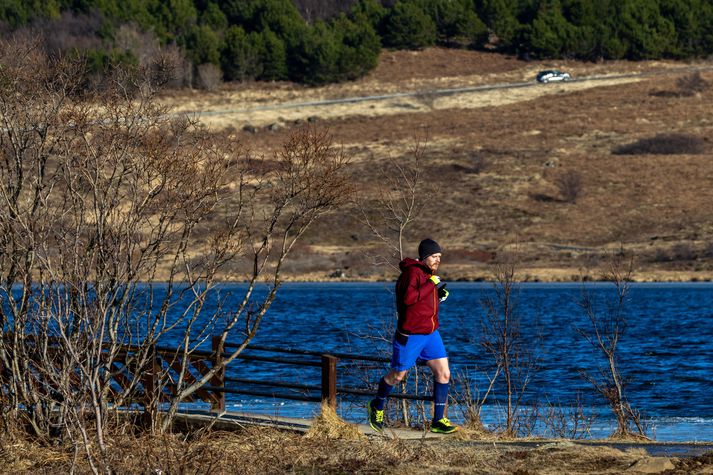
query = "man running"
{"x": 417, "y": 298}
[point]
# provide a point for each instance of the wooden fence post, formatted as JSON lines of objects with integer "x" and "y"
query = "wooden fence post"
{"x": 151, "y": 394}
{"x": 218, "y": 380}
{"x": 329, "y": 380}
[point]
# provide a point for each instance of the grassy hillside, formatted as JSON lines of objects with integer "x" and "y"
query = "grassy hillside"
{"x": 500, "y": 167}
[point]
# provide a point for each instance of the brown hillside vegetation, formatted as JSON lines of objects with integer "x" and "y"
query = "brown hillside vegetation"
{"x": 537, "y": 168}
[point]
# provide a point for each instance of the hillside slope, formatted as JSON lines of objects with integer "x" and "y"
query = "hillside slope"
{"x": 493, "y": 160}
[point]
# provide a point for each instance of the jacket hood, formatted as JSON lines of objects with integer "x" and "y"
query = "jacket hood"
{"x": 408, "y": 262}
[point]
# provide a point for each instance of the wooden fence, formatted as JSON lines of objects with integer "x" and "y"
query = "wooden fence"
{"x": 157, "y": 383}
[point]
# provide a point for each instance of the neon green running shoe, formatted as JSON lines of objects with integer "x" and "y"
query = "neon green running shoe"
{"x": 443, "y": 426}
{"x": 376, "y": 418}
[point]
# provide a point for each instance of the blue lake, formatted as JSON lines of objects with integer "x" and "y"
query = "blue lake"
{"x": 664, "y": 353}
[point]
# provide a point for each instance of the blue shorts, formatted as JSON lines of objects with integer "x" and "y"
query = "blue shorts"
{"x": 417, "y": 347}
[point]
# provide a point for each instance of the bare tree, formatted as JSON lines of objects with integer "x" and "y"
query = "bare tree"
{"x": 388, "y": 212}
{"x": 502, "y": 338}
{"x": 396, "y": 204}
{"x": 116, "y": 223}
{"x": 606, "y": 328}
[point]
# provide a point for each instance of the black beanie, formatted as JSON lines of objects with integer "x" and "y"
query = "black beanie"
{"x": 428, "y": 247}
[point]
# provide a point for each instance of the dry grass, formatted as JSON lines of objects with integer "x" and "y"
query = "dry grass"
{"x": 267, "y": 451}
{"x": 22, "y": 456}
{"x": 328, "y": 425}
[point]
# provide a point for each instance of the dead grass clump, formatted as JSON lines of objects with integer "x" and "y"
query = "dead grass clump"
{"x": 169, "y": 453}
{"x": 686, "y": 86}
{"x": 330, "y": 426}
{"x": 21, "y": 456}
{"x": 253, "y": 450}
{"x": 569, "y": 457}
{"x": 692, "y": 84}
{"x": 698, "y": 464}
{"x": 474, "y": 432}
{"x": 569, "y": 185}
{"x": 473, "y": 428}
{"x": 664, "y": 144}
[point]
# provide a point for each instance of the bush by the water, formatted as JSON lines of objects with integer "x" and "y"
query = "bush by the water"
{"x": 664, "y": 144}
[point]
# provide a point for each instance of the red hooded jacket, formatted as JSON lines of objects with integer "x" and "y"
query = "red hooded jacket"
{"x": 416, "y": 299}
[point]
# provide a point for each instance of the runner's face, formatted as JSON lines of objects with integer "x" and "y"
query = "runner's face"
{"x": 433, "y": 261}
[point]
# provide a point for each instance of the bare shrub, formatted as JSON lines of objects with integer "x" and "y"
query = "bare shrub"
{"x": 502, "y": 339}
{"x": 208, "y": 76}
{"x": 607, "y": 325}
{"x": 692, "y": 84}
{"x": 570, "y": 422}
{"x": 103, "y": 196}
{"x": 664, "y": 144}
{"x": 569, "y": 185}
{"x": 683, "y": 251}
{"x": 661, "y": 255}
{"x": 170, "y": 68}
{"x": 477, "y": 163}
{"x": 144, "y": 44}
{"x": 69, "y": 32}
{"x": 468, "y": 393}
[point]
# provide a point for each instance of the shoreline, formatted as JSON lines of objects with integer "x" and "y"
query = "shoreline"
{"x": 232, "y": 420}
{"x": 565, "y": 276}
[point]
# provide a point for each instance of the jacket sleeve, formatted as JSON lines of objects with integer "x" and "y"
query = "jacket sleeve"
{"x": 416, "y": 287}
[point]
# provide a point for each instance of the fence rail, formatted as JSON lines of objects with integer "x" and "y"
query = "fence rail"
{"x": 158, "y": 381}
{"x": 328, "y": 384}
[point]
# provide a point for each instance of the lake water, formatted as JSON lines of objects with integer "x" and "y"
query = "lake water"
{"x": 665, "y": 353}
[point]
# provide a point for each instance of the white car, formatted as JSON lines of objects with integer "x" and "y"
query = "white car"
{"x": 552, "y": 75}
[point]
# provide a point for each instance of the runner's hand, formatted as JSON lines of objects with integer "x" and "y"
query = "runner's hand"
{"x": 435, "y": 279}
{"x": 442, "y": 293}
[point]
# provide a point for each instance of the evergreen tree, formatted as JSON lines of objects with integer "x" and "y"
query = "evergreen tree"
{"x": 687, "y": 20}
{"x": 14, "y": 13}
{"x": 371, "y": 10}
{"x": 204, "y": 45}
{"x": 17, "y": 13}
{"x": 268, "y": 39}
{"x": 456, "y": 21}
{"x": 280, "y": 16}
{"x": 501, "y": 18}
{"x": 273, "y": 57}
{"x": 214, "y": 17}
{"x": 583, "y": 42}
{"x": 408, "y": 27}
{"x": 706, "y": 31}
{"x": 239, "y": 57}
{"x": 314, "y": 57}
{"x": 177, "y": 17}
{"x": 551, "y": 33}
{"x": 648, "y": 34}
{"x": 360, "y": 47}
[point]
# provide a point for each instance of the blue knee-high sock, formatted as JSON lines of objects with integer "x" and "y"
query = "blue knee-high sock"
{"x": 381, "y": 394}
{"x": 440, "y": 397}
